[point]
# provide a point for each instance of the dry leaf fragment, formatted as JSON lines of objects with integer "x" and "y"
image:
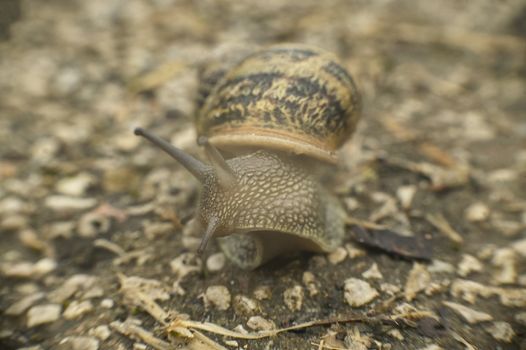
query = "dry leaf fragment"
{"x": 417, "y": 281}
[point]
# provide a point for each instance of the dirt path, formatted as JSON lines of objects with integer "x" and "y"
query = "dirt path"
{"x": 94, "y": 222}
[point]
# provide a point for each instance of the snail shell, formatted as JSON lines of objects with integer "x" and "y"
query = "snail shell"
{"x": 291, "y": 98}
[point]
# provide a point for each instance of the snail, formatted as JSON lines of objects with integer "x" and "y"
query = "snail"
{"x": 267, "y": 123}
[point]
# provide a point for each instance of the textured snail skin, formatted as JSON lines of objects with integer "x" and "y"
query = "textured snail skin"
{"x": 293, "y": 98}
{"x": 264, "y": 109}
{"x": 275, "y": 206}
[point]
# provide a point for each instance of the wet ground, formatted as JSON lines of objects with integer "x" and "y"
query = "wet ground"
{"x": 96, "y": 250}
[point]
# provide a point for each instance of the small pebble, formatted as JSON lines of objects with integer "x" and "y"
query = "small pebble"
{"x": 470, "y": 315}
{"x": 469, "y": 264}
{"x": 74, "y": 284}
{"x": 93, "y": 224}
{"x": 505, "y": 259}
{"x": 243, "y": 305}
{"x": 42, "y": 314}
{"x": 186, "y": 263}
{"x": 439, "y": 266}
{"x": 102, "y": 332}
{"x": 395, "y": 333}
{"x": 28, "y": 269}
{"x": 258, "y": 323}
{"x": 293, "y": 298}
{"x": 79, "y": 343}
{"x": 520, "y": 317}
{"x": 417, "y": 281}
{"x": 309, "y": 280}
{"x": 358, "y": 292}
{"x": 405, "y": 195}
{"x": 76, "y": 185}
{"x": 262, "y": 293}
{"x": 373, "y": 273}
{"x": 218, "y": 297}
{"x": 77, "y": 308}
{"x": 477, "y": 212}
{"x": 215, "y": 262}
{"x": 389, "y": 288}
{"x": 107, "y": 303}
{"x": 69, "y": 204}
{"x": 501, "y": 331}
{"x": 353, "y": 251}
{"x": 520, "y": 247}
{"x": 337, "y": 256}
{"x": 19, "y": 307}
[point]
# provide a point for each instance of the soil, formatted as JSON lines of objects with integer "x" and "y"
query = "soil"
{"x": 440, "y": 154}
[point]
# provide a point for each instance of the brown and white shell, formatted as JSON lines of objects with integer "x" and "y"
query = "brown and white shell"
{"x": 292, "y": 98}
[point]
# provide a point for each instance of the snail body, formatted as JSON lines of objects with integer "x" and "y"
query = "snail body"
{"x": 279, "y": 113}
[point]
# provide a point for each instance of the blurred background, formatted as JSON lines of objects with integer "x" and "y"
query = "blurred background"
{"x": 443, "y": 83}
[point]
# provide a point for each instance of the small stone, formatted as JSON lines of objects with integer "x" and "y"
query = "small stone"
{"x": 77, "y": 308}
{"x": 243, "y": 305}
{"x": 19, "y": 307}
{"x": 439, "y": 266}
{"x": 14, "y": 222}
{"x": 76, "y": 185}
{"x": 218, "y": 297}
{"x": 469, "y": 264}
{"x": 505, "y": 259}
{"x": 373, "y": 273}
{"x": 262, "y": 293}
{"x": 157, "y": 229}
{"x": 79, "y": 343}
{"x": 35, "y": 347}
{"x": 353, "y": 251}
{"x": 351, "y": 204}
{"x": 215, "y": 262}
{"x": 515, "y": 297}
{"x": 185, "y": 263}
{"x": 358, "y": 292}
{"x": 258, "y": 323}
{"x": 417, "y": 281}
{"x": 469, "y": 290}
{"x": 405, "y": 195}
{"x": 470, "y": 315}
{"x": 520, "y": 317}
{"x": 93, "y": 224}
{"x": 102, "y": 332}
{"x": 72, "y": 285}
{"x": 477, "y": 212}
{"x": 60, "y": 229}
{"x": 395, "y": 333}
{"x": 107, "y": 303}
{"x": 432, "y": 347}
{"x": 29, "y": 270}
{"x": 501, "y": 331}
{"x": 309, "y": 280}
{"x": 69, "y": 204}
{"x": 232, "y": 343}
{"x": 293, "y": 298}
{"x": 520, "y": 247}
{"x": 42, "y": 314}
{"x": 389, "y": 288}
{"x": 337, "y": 256}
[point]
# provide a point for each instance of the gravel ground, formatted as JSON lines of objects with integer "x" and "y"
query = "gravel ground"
{"x": 96, "y": 250}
